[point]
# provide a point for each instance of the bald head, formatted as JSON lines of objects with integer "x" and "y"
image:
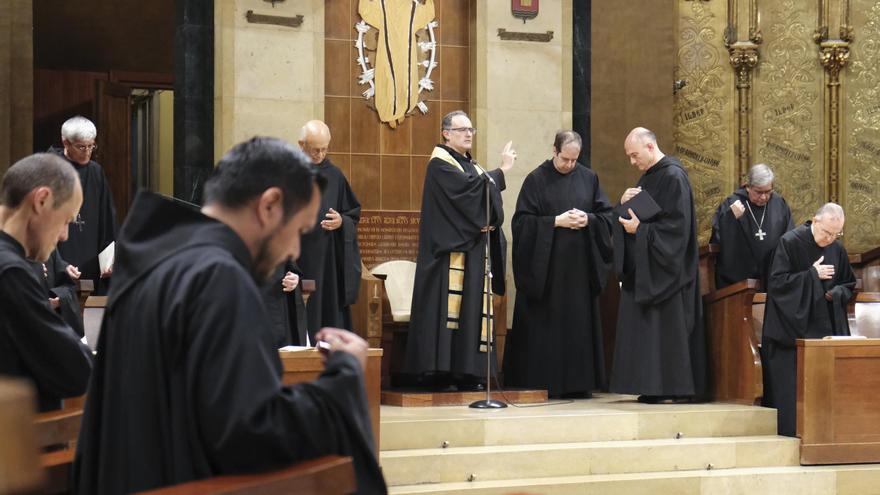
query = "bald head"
{"x": 641, "y": 148}
{"x": 314, "y": 139}
{"x": 642, "y": 135}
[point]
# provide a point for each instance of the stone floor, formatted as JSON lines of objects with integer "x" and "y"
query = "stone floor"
{"x": 610, "y": 444}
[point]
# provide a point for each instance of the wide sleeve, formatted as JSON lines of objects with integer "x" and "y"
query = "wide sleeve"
{"x": 58, "y": 362}
{"x": 350, "y": 211}
{"x": 722, "y": 216}
{"x": 107, "y": 226}
{"x": 599, "y": 229}
{"x": 235, "y": 369}
{"x": 65, "y": 290}
{"x": 841, "y": 293}
{"x": 660, "y": 245}
{"x": 532, "y": 240}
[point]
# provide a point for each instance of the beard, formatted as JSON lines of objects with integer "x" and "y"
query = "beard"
{"x": 264, "y": 264}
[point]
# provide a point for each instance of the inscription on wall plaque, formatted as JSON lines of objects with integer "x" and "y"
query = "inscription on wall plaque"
{"x": 385, "y": 235}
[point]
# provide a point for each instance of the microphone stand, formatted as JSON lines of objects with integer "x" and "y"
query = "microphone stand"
{"x": 488, "y": 402}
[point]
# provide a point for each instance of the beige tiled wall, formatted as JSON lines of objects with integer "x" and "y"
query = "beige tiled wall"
{"x": 522, "y": 92}
{"x": 268, "y": 79}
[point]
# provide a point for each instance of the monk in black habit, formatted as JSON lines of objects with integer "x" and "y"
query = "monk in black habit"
{"x": 809, "y": 287}
{"x": 747, "y": 226}
{"x": 330, "y": 254}
{"x": 562, "y": 253}
{"x": 285, "y": 305}
{"x": 448, "y": 328}
{"x": 95, "y": 226}
{"x": 39, "y": 196}
{"x": 660, "y": 351}
{"x": 187, "y": 381}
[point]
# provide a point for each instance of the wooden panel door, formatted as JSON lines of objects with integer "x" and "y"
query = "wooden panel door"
{"x": 113, "y": 111}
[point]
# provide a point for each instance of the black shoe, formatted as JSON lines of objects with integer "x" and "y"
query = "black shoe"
{"x": 650, "y": 399}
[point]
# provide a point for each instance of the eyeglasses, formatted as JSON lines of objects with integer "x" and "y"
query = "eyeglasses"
{"x": 830, "y": 234}
{"x": 82, "y": 148}
{"x": 758, "y": 193}
{"x": 463, "y": 129}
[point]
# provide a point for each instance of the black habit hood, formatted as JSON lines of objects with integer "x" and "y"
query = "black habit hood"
{"x": 187, "y": 383}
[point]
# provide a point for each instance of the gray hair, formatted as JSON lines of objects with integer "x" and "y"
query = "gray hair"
{"x": 77, "y": 129}
{"x": 38, "y": 170}
{"x": 830, "y": 210}
{"x": 446, "y": 123}
{"x": 760, "y": 175}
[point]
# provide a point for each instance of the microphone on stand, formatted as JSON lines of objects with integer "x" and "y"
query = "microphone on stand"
{"x": 488, "y": 402}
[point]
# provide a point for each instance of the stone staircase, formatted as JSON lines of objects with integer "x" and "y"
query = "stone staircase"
{"x": 607, "y": 445}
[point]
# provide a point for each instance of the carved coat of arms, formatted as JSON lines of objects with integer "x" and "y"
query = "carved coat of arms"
{"x": 405, "y": 55}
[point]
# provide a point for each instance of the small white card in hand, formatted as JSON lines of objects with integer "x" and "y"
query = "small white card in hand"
{"x": 294, "y": 348}
{"x": 105, "y": 257}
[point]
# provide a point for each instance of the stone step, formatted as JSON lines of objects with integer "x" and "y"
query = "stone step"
{"x": 438, "y": 465}
{"x": 612, "y": 417}
{"x": 801, "y": 480}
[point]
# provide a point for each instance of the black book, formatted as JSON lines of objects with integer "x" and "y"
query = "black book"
{"x": 642, "y": 204}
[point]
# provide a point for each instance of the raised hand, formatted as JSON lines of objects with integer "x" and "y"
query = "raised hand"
{"x": 508, "y": 156}
{"x": 738, "y": 209}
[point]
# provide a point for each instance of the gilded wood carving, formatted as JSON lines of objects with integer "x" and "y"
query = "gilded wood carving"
{"x": 702, "y": 127}
{"x": 861, "y": 138}
{"x": 788, "y": 108}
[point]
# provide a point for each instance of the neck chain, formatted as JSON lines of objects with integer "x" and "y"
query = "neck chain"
{"x": 760, "y": 234}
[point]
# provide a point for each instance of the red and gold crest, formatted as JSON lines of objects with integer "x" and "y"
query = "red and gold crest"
{"x": 524, "y": 9}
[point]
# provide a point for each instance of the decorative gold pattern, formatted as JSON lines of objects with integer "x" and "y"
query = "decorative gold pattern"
{"x": 701, "y": 130}
{"x": 788, "y": 108}
{"x": 743, "y": 58}
{"x": 834, "y": 55}
{"x": 861, "y": 187}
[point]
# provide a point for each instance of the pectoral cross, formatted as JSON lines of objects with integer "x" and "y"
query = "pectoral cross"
{"x": 79, "y": 222}
{"x": 760, "y": 234}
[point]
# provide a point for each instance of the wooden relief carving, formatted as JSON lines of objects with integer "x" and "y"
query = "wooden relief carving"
{"x": 702, "y": 128}
{"x": 861, "y": 140}
{"x": 788, "y": 106}
{"x": 404, "y": 55}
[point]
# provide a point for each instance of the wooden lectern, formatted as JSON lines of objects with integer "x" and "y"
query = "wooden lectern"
{"x": 838, "y": 408}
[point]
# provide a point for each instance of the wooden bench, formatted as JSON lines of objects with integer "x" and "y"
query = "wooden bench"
{"x": 20, "y": 470}
{"x": 734, "y": 356}
{"x": 734, "y": 323}
{"x": 866, "y": 266}
{"x": 57, "y": 431}
{"x": 330, "y": 475}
